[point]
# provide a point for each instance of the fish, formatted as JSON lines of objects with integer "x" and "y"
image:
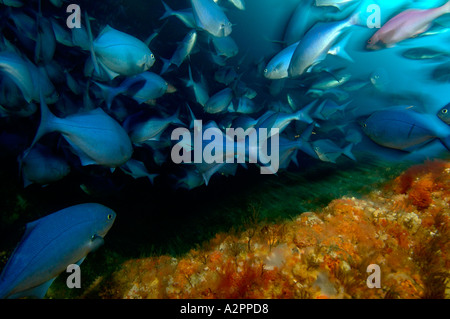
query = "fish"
{"x": 239, "y": 4}
{"x": 278, "y": 66}
{"x": 28, "y": 77}
{"x": 328, "y": 151}
{"x": 402, "y": 128}
{"x": 143, "y": 88}
{"x": 120, "y": 53}
{"x": 50, "y": 244}
{"x": 443, "y": 114}
{"x": 219, "y": 102}
{"x": 183, "y": 51}
{"x": 141, "y": 129}
{"x": 405, "y": 25}
{"x": 210, "y": 17}
{"x": 424, "y": 54}
{"x": 302, "y": 19}
{"x": 137, "y": 169}
{"x": 41, "y": 166}
{"x": 319, "y": 41}
{"x": 94, "y": 136}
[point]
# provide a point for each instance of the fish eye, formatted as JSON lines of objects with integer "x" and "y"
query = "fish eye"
{"x": 265, "y": 70}
{"x": 109, "y": 216}
{"x": 444, "y": 111}
{"x": 364, "y": 125}
{"x": 152, "y": 56}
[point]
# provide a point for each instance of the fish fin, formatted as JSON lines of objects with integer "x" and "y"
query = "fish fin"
{"x": 36, "y": 292}
{"x": 96, "y": 243}
{"x": 151, "y": 178}
{"x": 168, "y": 11}
{"x": 339, "y": 49}
{"x": 108, "y": 93}
{"x": 347, "y": 151}
{"x": 79, "y": 262}
{"x": 210, "y": 172}
{"x": 166, "y": 65}
{"x": 111, "y": 74}
{"x": 84, "y": 159}
{"x": 174, "y": 119}
{"x": 304, "y": 114}
{"x": 190, "y": 82}
{"x": 45, "y": 126}
{"x": 91, "y": 44}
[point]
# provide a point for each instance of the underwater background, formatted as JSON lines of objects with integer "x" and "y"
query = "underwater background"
{"x": 169, "y": 228}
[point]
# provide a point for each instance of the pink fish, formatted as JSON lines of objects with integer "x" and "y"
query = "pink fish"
{"x": 405, "y": 25}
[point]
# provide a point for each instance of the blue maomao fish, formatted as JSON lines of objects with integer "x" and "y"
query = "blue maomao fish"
{"x": 137, "y": 169}
{"x": 27, "y": 77}
{"x": 325, "y": 38}
{"x": 405, "y": 25}
{"x": 210, "y": 17}
{"x": 120, "y": 53}
{"x": 328, "y": 151}
{"x": 141, "y": 129}
{"x": 50, "y": 244}
{"x": 303, "y": 18}
{"x": 94, "y": 136}
{"x": 41, "y": 166}
{"x": 219, "y": 102}
{"x": 186, "y": 16}
{"x": 183, "y": 50}
{"x": 405, "y": 129}
{"x": 143, "y": 88}
{"x": 278, "y": 66}
{"x": 240, "y": 4}
{"x": 444, "y": 115}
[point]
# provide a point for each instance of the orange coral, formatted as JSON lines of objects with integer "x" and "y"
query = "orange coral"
{"x": 409, "y": 243}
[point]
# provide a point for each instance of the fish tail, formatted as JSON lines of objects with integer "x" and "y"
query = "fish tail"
{"x": 108, "y": 93}
{"x": 166, "y": 65}
{"x": 46, "y": 126}
{"x": 347, "y": 151}
{"x": 91, "y": 44}
{"x": 304, "y": 114}
{"x": 168, "y": 11}
{"x": 174, "y": 119}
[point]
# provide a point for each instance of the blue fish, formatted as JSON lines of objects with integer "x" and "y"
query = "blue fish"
{"x": 444, "y": 115}
{"x": 405, "y": 129}
{"x": 50, "y": 244}
{"x": 210, "y": 17}
{"x": 42, "y": 167}
{"x": 94, "y": 136}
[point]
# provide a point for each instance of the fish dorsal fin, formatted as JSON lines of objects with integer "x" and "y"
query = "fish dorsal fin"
{"x": 106, "y": 29}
